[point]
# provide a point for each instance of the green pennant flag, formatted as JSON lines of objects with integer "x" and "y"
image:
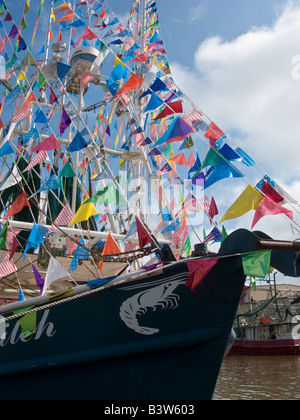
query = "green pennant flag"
{"x": 109, "y": 195}
{"x": 28, "y": 324}
{"x": 224, "y": 234}
{"x": 257, "y": 264}
{"x": 67, "y": 172}
{"x": 3, "y": 235}
{"x": 212, "y": 159}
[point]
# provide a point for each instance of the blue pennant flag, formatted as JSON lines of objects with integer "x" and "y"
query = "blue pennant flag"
{"x": 40, "y": 118}
{"x": 78, "y": 143}
{"x": 81, "y": 254}
{"x": 6, "y": 149}
{"x": 222, "y": 171}
{"x": 62, "y": 69}
{"x": 50, "y": 184}
{"x": 166, "y": 215}
{"x": 36, "y": 238}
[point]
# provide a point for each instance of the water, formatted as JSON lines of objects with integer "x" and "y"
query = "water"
{"x": 259, "y": 378}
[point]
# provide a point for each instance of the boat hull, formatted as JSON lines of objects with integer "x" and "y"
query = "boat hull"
{"x": 142, "y": 337}
{"x": 127, "y": 342}
{"x": 289, "y": 347}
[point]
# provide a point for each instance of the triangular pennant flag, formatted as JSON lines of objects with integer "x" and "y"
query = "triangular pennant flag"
{"x": 63, "y": 219}
{"x": 50, "y": 143}
{"x": 85, "y": 211}
{"x": 21, "y": 297}
{"x": 20, "y": 202}
{"x": 36, "y": 238}
{"x": 143, "y": 234}
{"x": 170, "y": 109}
{"x": 62, "y": 69}
{"x": 3, "y": 235}
{"x": 12, "y": 179}
{"x": 268, "y": 207}
{"x": 177, "y": 131}
{"x": 40, "y": 157}
{"x": 110, "y": 248}
{"x": 55, "y": 272}
{"x": 257, "y": 264}
{"x": 65, "y": 122}
{"x": 53, "y": 97}
{"x": 199, "y": 269}
{"x": 132, "y": 231}
{"x": 78, "y": 143}
{"x": 38, "y": 278}
{"x": 133, "y": 83}
{"x": 248, "y": 200}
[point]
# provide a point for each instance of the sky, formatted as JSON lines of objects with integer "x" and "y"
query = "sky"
{"x": 234, "y": 59}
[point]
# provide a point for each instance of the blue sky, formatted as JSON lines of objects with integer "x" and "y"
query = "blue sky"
{"x": 185, "y": 24}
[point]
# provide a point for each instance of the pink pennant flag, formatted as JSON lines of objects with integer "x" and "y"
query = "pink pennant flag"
{"x": 191, "y": 160}
{"x": 199, "y": 269}
{"x": 268, "y": 207}
{"x": 40, "y": 157}
{"x": 63, "y": 219}
{"x": 50, "y": 143}
{"x": 24, "y": 112}
{"x": 7, "y": 266}
{"x": 86, "y": 78}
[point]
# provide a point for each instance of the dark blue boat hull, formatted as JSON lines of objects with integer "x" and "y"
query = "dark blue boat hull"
{"x": 150, "y": 339}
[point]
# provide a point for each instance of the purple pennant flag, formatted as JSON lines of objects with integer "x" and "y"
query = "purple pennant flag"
{"x": 39, "y": 279}
{"x": 178, "y": 131}
{"x": 14, "y": 31}
{"x": 65, "y": 122}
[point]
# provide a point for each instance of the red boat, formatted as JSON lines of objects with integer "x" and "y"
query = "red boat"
{"x": 288, "y": 347}
{"x": 269, "y": 326}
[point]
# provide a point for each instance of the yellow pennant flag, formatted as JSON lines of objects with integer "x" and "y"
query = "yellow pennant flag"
{"x": 248, "y": 200}
{"x": 84, "y": 212}
{"x": 21, "y": 76}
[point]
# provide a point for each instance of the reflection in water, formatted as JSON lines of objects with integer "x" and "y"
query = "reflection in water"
{"x": 259, "y": 378}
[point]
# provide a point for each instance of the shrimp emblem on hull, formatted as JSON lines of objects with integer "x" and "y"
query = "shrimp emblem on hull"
{"x": 161, "y": 297}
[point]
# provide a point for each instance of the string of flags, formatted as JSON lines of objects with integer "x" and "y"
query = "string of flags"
{"x": 181, "y": 144}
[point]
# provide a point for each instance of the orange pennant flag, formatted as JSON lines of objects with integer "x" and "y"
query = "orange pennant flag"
{"x": 17, "y": 205}
{"x": 133, "y": 83}
{"x": 68, "y": 16}
{"x": 110, "y": 248}
{"x": 179, "y": 159}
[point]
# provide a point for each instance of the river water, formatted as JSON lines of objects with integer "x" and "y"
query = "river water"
{"x": 259, "y": 378}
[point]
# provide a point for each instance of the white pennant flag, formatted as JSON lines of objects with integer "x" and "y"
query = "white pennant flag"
{"x": 12, "y": 180}
{"x": 55, "y": 272}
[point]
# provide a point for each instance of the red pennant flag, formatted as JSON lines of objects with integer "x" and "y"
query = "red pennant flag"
{"x": 213, "y": 209}
{"x": 17, "y": 205}
{"x": 110, "y": 248}
{"x": 53, "y": 97}
{"x": 173, "y": 108}
{"x": 213, "y": 133}
{"x": 199, "y": 269}
{"x": 88, "y": 35}
{"x": 133, "y": 83}
{"x": 268, "y": 208}
{"x": 268, "y": 190}
{"x": 144, "y": 236}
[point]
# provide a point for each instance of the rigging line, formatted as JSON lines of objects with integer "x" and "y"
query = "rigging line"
{"x": 37, "y": 205}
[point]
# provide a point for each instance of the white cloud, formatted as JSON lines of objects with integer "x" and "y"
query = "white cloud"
{"x": 246, "y": 87}
{"x": 194, "y": 14}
